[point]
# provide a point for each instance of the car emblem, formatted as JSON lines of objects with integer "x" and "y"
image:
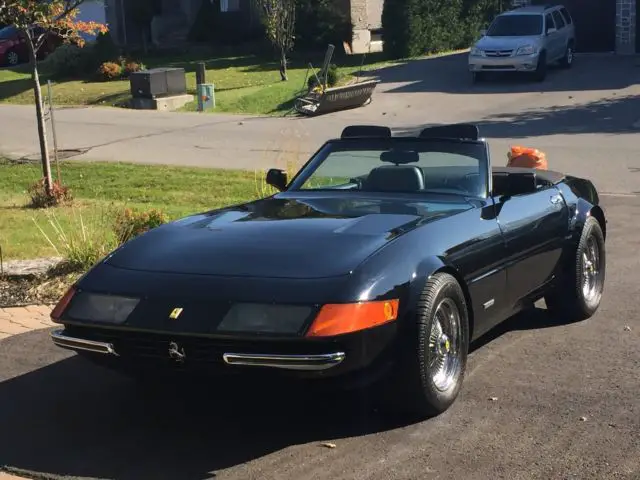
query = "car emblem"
{"x": 175, "y": 313}
{"x": 176, "y": 353}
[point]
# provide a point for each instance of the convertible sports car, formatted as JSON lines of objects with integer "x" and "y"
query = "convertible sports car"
{"x": 376, "y": 264}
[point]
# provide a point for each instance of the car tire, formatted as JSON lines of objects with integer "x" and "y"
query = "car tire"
{"x": 477, "y": 77}
{"x": 578, "y": 293}
{"x": 434, "y": 358}
{"x": 541, "y": 69}
{"x": 567, "y": 60}
{"x": 12, "y": 58}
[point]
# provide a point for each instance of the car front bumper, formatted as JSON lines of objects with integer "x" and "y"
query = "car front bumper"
{"x": 366, "y": 352}
{"x": 519, "y": 63}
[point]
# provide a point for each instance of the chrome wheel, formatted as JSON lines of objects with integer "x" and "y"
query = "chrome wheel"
{"x": 12, "y": 58}
{"x": 591, "y": 271}
{"x": 444, "y": 345}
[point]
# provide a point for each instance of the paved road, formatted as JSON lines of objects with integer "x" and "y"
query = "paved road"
{"x": 582, "y": 118}
{"x": 62, "y": 417}
{"x": 566, "y": 394}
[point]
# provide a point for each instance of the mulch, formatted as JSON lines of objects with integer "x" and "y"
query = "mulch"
{"x": 43, "y": 289}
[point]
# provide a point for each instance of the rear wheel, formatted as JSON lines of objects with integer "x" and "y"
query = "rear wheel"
{"x": 434, "y": 359}
{"x": 579, "y": 292}
{"x": 567, "y": 60}
{"x": 12, "y": 58}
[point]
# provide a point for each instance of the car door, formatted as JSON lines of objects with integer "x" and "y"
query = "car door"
{"x": 561, "y": 25}
{"x": 552, "y": 36}
{"x": 534, "y": 226}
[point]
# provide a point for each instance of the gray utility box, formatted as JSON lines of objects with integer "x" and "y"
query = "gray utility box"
{"x": 158, "y": 83}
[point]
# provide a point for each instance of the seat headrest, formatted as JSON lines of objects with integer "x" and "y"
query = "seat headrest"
{"x": 395, "y": 178}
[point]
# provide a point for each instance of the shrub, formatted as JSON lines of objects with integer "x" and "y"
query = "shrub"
{"x": 104, "y": 48}
{"x": 40, "y": 198}
{"x": 70, "y": 61}
{"x": 129, "y": 67}
{"x": 82, "y": 245}
{"x": 129, "y": 224}
{"x": 417, "y": 27}
{"x": 110, "y": 71}
{"x": 332, "y": 77}
{"x": 320, "y": 22}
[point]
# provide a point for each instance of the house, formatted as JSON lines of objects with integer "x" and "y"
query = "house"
{"x": 601, "y": 25}
{"x": 175, "y": 18}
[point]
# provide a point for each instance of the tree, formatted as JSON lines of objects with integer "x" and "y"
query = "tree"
{"x": 36, "y": 20}
{"x": 279, "y": 20}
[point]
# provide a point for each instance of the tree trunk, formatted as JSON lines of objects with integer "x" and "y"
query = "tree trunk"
{"x": 42, "y": 130}
{"x": 283, "y": 66}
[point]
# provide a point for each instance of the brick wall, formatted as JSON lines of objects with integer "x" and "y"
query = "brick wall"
{"x": 625, "y": 26}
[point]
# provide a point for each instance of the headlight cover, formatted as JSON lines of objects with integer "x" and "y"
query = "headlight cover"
{"x": 526, "y": 50}
{"x": 265, "y": 318}
{"x": 475, "y": 52}
{"x": 101, "y": 308}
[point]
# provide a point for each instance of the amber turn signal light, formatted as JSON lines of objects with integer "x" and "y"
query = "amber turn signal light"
{"x": 341, "y": 318}
{"x": 60, "y": 307}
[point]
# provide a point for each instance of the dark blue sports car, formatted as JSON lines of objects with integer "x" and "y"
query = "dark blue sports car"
{"x": 376, "y": 264}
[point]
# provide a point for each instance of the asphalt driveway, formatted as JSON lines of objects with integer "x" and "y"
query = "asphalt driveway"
{"x": 542, "y": 400}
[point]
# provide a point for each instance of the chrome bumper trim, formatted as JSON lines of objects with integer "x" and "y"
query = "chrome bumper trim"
{"x": 73, "y": 343}
{"x": 287, "y": 362}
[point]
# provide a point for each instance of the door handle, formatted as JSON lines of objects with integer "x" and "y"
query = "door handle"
{"x": 555, "y": 199}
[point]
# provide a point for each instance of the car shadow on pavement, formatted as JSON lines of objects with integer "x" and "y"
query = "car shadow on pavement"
{"x": 62, "y": 416}
{"x": 618, "y": 115}
{"x": 529, "y": 319}
{"x": 449, "y": 74}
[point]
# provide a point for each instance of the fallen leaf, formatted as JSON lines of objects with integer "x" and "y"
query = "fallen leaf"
{"x": 627, "y": 328}
{"x": 583, "y": 419}
{"x": 329, "y": 445}
{"x": 493, "y": 399}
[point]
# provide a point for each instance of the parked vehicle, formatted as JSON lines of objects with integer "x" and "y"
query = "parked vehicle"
{"x": 526, "y": 39}
{"x": 14, "y": 50}
{"x": 377, "y": 264}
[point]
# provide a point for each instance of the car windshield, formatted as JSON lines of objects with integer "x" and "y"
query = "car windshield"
{"x": 515, "y": 26}
{"x": 7, "y": 33}
{"x": 400, "y": 166}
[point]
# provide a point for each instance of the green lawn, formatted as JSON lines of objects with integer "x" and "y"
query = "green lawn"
{"x": 100, "y": 189}
{"x": 243, "y": 84}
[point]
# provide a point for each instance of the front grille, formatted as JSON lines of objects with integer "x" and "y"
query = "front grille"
{"x": 498, "y": 53}
{"x": 498, "y": 67}
{"x": 200, "y": 351}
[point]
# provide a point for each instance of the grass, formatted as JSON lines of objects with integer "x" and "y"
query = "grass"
{"x": 99, "y": 190}
{"x": 248, "y": 84}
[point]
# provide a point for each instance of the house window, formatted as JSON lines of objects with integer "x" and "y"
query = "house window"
{"x": 229, "y": 5}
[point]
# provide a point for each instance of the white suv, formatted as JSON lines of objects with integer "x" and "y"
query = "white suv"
{"x": 526, "y": 39}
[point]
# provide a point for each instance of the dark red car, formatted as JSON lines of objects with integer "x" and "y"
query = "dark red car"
{"x": 13, "y": 46}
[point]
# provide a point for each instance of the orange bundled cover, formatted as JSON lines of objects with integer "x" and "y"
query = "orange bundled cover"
{"x": 527, "y": 157}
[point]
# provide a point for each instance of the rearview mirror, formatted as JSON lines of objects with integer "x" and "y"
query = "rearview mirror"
{"x": 550, "y": 30}
{"x": 277, "y": 178}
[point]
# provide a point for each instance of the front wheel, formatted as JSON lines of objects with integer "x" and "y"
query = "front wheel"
{"x": 541, "y": 70}
{"x": 579, "y": 292}
{"x": 434, "y": 357}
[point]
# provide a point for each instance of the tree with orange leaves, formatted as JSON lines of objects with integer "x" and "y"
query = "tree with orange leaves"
{"x": 36, "y": 19}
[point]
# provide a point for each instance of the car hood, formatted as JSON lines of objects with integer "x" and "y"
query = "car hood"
{"x": 277, "y": 238}
{"x": 505, "y": 43}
